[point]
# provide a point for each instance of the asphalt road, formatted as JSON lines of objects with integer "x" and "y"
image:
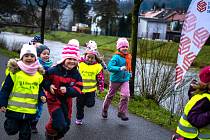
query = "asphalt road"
{"x": 94, "y": 127}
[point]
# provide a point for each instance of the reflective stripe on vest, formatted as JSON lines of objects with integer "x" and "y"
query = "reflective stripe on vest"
{"x": 19, "y": 104}
{"x": 185, "y": 129}
{"x": 24, "y": 96}
{"x": 21, "y": 95}
{"x": 89, "y": 73}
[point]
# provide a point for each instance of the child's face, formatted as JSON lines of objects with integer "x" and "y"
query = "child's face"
{"x": 90, "y": 58}
{"x": 70, "y": 63}
{"x": 28, "y": 59}
{"x": 124, "y": 49}
{"x": 45, "y": 55}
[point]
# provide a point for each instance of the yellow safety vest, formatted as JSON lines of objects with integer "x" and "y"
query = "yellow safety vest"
{"x": 24, "y": 96}
{"x": 88, "y": 73}
{"x": 185, "y": 129}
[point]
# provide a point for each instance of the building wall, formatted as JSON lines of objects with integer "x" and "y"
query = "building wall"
{"x": 147, "y": 29}
{"x": 142, "y": 28}
{"x": 67, "y": 18}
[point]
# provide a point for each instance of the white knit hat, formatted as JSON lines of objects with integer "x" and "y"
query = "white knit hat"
{"x": 70, "y": 51}
{"x": 28, "y": 49}
{"x": 74, "y": 42}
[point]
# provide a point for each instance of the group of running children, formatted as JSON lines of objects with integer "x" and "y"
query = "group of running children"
{"x": 33, "y": 79}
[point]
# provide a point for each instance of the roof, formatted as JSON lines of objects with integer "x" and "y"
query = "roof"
{"x": 177, "y": 16}
{"x": 165, "y": 14}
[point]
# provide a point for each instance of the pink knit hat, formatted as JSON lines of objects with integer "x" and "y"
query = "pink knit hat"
{"x": 70, "y": 50}
{"x": 204, "y": 75}
{"x": 122, "y": 42}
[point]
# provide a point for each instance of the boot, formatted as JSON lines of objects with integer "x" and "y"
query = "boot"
{"x": 122, "y": 116}
{"x": 50, "y": 137}
{"x": 104, "y": 114}
{"x": 33, "y": 127}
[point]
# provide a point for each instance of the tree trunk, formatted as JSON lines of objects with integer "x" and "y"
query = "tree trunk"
{"x": 43, "y": 20}
{"x": 134, "y": 38}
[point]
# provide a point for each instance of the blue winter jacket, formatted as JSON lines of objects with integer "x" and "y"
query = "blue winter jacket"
{"x": 116, "y": 74}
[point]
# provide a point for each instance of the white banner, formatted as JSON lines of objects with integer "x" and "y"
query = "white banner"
{"x": 195, "y": 32}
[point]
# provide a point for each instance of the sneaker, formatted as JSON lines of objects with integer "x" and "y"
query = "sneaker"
{"x": 78, "y": 122}
{"x": 104, "y": 114}
{"x": 176, "y": 137}
{"x": 34, "y": 130}
{"x": 122, "y": 116}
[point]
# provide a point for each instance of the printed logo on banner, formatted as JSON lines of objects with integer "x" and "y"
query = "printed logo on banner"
{"x": 189, "y": 23}
{"x": 200, "y": 36}
{"x": 201, "y": 6}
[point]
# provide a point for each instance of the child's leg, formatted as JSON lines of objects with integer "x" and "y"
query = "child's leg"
{"x": 80, "y": 103}
{"x": 90, "y": 99}
{"x": 113, "y": 87}
{"x": 124, "y": 98}
{"x": 60, "y": 122}
{"x": 11, "y": 126}
{"x": 25, "y": 130}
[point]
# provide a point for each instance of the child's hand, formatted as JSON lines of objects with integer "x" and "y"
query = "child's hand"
{"x": 52, "y": 89}
{"x": 63, "y": 89}
{"x": 123, "y": 68}
{"x": 43, "y": 99}
{"x": 3, "y": 109}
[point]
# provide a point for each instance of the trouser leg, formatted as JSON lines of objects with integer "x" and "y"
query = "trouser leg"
{"x": 80, "y": 103}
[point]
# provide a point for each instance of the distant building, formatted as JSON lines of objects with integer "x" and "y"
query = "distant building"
{"x": 152, "y": 28}
{"x": 66, "y": 19}
{"x": 167, "y": 21}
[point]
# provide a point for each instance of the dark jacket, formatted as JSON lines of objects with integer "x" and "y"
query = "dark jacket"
{"x": 59, "y": 76}
{"x": 199, "y": 115}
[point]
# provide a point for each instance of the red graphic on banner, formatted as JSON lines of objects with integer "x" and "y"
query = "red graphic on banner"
{"x": 179, "y": 75}
{"x": 184, "y": 46}
{"x": 200, "y": 36}
{"x": 189, "y": 23}
{"x": 188, "y": 59}
{"x": 201, "y": 6}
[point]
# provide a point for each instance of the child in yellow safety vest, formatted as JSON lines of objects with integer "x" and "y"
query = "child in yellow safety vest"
{"x": 92, "y": 76}
{"x": 195, "y": 120}
{"x": 21, "y": 92}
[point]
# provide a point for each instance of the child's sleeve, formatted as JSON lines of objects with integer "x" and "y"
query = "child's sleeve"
{"x": 200, "y": 113}
{"x": 100, "y": 81}
{"x": 47, "y": 80}
{"x": 6, "y": 90}
{"x": 41, "y": 90}
{"x": 76, "y": 89}
{"x": 112, "y": 66}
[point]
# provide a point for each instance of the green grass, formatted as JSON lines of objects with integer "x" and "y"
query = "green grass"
{"x": 9, "y": 54}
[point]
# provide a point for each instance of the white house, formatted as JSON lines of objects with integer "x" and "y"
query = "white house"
{"x": 66, "y": 18}
{"x": 95, "y": 29}
{"x": 152, "y": 28}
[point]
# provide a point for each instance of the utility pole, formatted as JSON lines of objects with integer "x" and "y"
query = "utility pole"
{"x": 43, "y": 5}
{"x": 134, "y": 39}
